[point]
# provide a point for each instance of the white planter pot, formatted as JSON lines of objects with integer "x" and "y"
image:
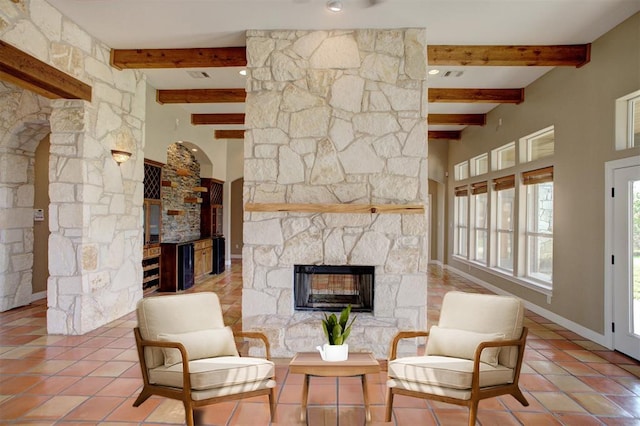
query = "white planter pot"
{"x": 333, "y": 352}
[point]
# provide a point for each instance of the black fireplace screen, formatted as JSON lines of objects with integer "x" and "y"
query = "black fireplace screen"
{"x": 331, "y": 288}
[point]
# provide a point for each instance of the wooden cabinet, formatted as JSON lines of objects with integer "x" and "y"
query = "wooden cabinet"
{"x": 203, "y": 258}
{"x": 211, "y": 208}
{"x": 151, "y": 266}
{"x": 152, "y": 224}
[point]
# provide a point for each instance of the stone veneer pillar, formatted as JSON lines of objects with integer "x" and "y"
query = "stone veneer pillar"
{"x": 335, "y": 117}
{"x": 95, "y": 212}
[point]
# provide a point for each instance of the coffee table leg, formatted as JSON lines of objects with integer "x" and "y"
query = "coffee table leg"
{"x": 305, "y": 395}
{"x": 365, "y": 396}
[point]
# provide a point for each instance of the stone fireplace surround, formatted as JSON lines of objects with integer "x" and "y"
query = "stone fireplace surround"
{"x": 335, "y": 117}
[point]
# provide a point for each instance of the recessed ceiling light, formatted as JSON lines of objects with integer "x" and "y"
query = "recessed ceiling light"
{"x": 334, "y": 5}
{"x": 434, "y": 72}
{"x": 243, "y": 72}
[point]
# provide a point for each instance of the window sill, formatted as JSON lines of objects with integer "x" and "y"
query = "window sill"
{"x": 545, "y": 289}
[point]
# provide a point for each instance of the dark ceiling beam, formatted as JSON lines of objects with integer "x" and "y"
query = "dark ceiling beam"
{"x": 494, "y": 96}
{"x": 208, "y": 57}
{"x": 527, "y": 55}
{"x": 229, "y": 134}
{"x": 445, "y": 134}
{"x": 458, "y": 119}
{"x": 200, "y": 96}
{"x": 217, "y": 119}
{"x": 24, "y": 70}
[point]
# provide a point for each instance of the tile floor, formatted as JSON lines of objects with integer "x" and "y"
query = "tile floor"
{"x": 94, "y": 379}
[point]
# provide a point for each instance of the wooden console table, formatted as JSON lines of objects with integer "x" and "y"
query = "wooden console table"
{"x": 310, "y": 364}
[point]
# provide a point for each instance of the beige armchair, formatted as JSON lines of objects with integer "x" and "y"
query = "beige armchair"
{"x": 475, "y": 352}
{"x": 186, "y": 353}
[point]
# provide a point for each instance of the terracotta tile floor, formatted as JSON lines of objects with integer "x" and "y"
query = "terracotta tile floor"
{"x": 94, "y": 379}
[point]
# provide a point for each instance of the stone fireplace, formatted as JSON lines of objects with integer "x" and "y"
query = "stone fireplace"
{"x": 335, "y": 174}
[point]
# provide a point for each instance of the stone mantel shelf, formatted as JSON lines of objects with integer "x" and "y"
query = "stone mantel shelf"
{"x": 335, "y": 208}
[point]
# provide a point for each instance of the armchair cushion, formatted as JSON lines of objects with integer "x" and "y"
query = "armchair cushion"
{"x": 211, "y": 373}
{"x": 427, "y": 372}
{"x": 199, "y": 344}
{"x": 462, "y": 344}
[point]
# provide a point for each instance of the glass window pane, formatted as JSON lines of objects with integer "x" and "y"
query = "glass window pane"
{"x": 461, "y": 171}
{"x": 481, "y": 210}
{"x": 481, "y": 246}
{"x": 480, "y": 165}
{"x": 540, "y": 146}
{"x": 505, "y": 209}
{"x": 505, "y": 251}
{"x": 540, "y": 208}
{"x": 540, "y": 261}
{"x": 505, "y": 157}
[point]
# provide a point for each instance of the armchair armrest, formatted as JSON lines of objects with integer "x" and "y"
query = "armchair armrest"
{"x": 257, "y": 335}
{"x": 142, "y": 343}
{"x": 406, "y": 334}
{"x": 520, "y": 343}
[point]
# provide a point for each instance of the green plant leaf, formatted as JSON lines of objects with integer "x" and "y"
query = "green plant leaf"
{"x": 346, "y": 333}
{"x": 326, "y": 332}
{"x": 344, "y": 316}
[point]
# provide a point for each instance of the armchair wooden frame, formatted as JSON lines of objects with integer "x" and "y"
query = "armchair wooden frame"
{"x": 477, "y": 393}
{"x": 184, "y": 394}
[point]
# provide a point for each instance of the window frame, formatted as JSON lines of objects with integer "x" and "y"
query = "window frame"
{"x": 624, "y": 126}
{"x": 461, "y": 222}
{"x": 532, "y": 181}
{"x": 500, "y": 186}
{"x": 526, "y": 149}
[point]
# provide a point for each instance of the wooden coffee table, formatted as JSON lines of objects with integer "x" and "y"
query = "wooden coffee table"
{"x": 310, "y": 364}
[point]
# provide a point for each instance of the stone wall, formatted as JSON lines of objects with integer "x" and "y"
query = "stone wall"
{"x": 95, "y": 212}
{"x": 187, "y": 224}
{"x": 335, "y": 117}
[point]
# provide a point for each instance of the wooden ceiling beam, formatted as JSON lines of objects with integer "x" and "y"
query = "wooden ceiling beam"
{"x": 208, "y": 57}
{"x": 229, "y": 134}
{"x": 200, "y": 96}
{"x": 459, "y": 119}
{"x": 575, "y": 55}
{"x": 494, "y": 96}
{"x": 197, "y": 119}
{"x": 30, "y": 73}
{"x": 445, "y": 134}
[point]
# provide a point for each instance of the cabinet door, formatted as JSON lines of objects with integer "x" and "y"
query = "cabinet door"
{"x": 207, "y": 258}
{"x": 198, "y": 268}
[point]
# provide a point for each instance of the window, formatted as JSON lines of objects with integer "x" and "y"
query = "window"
{"x": 480, "y": 221}
{"x": 628, "y": 121}
{"x": 539, "y": 228}
{"x": 538, "y": 145}
{"x": 460, "y": 219}
{"x": 479, "y": 165}
{"x": 504, "y": 188}
{"x": 504, "y": 157}
{"x": 461, "y": 171}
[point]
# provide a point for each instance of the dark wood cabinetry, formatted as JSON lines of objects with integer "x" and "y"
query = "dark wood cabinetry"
{"x": 211, "y": 208}
{"x": 152, "y": 223}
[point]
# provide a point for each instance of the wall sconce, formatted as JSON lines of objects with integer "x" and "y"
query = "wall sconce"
{"x": 120, "y": 156}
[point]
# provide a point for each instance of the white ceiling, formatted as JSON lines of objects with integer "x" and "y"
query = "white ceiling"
{"x": 125, "y": 24}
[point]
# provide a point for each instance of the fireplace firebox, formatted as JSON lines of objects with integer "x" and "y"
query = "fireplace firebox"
{"x": 332, "y": 288}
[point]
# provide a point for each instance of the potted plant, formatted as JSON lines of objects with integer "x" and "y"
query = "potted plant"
{"x": 336, "y": 330}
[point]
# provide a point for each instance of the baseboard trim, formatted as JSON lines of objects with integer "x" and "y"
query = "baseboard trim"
{"x": 39, "y": 295}
{"x": 568, "y": 324}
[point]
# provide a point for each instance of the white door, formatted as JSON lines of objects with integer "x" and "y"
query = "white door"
{"x": 626, "y": 260}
